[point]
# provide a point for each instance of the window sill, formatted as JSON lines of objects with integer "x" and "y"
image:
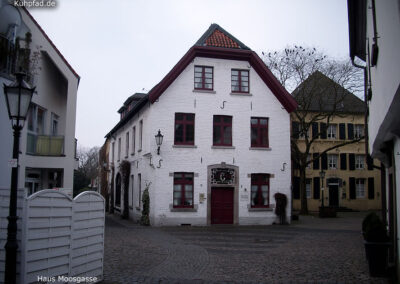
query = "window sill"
{"x": 260, "y": 148}
{"x": 137, "y": 208}
{"x": 140, "y": 150}
{"x": 184, "y": 146}
{"x": 172, "y": 209}
{"x": 222, "y": 147}
{"x": 259, "y": 209}
{"x": 204, "y": 91}
{"x": 132, "y": 154}
{"x": 241, "y": 94}
{"x": 44, "y": 155}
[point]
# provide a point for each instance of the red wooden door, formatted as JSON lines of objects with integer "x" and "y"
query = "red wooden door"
{"x": 222, "y": 205}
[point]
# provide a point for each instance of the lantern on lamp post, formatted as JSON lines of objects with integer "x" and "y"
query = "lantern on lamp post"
{"x": 159, "y": 138}
{"x": 18, "y": 97}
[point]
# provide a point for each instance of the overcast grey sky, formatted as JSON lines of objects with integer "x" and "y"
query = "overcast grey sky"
{"x": 121, "y": 47}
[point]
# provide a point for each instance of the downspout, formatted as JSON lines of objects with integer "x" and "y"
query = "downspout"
{"x": 366, "y": 89}
{"x": 375, "y": 48}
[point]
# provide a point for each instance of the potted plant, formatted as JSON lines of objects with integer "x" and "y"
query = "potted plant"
{"x": 280, "y": 209}
{"x": 376, "y": 242}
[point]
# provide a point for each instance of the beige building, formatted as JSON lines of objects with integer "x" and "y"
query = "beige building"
{"x": 351, "y": 181}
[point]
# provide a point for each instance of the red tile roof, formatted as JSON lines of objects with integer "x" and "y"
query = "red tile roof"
{"x": 216, "y": 36}
{"x": 219, "y": 39}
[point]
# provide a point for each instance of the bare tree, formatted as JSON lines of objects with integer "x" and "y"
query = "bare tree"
{"x": 88, "y": 166}
{"x": 322, "y": 87}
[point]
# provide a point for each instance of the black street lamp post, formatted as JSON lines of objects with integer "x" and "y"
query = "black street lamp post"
{"x": 322, "y": 175}
{"x": 18, "y": 98}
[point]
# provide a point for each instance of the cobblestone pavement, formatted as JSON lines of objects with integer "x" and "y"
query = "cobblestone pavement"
{"x": 311, "y": 250}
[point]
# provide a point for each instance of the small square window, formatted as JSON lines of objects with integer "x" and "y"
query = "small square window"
{"x": 331, "y": 132}
{"x": 184, "y": 129}
{"x": 259, "y": 132}
{"x": 358, "y": 131}
{"x": 308, "y": 188}
{"x": 332, "y": 161}
{"x": 240, "y": 81}
{"x": 222, "y": 130}
{"x": 183, "y": 190}
{"x": 359, "y": 162}
{"x": 259, "y": 190}
{"x": 360, "y": 188}
{"x": 203, "y": 78}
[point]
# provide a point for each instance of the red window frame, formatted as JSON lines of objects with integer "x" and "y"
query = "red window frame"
{"x": 180, "y": 181}
{"x": 259, "y": 180}
{"x": 259, "y": 128}
{"x": 184, "y": 122}
{"x": 202, "y": 75}
{"x": 218, "y": 127}
{"x": 240, "y": 81}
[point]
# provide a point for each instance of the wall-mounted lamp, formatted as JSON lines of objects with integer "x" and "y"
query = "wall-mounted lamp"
{"x": 159, "y": 139}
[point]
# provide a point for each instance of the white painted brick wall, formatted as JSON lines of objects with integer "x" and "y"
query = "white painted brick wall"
{"x": 179, "y": 97}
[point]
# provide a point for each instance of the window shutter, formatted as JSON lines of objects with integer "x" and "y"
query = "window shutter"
{"x": 352, "y": 162}
{"x": 370, "y": 163}
{"x": 295, "y": 129}
{"x": 371, "y": 189}
{"x": 324, "y": 161}
{"x": 352, "y": 188}
{"x": 323, "y": 130}
{"x": 350, "y": 131}
{"x": 342, "y": 131}
{"x": 343, "y": 161}
{"x": 316, "y": 187}
{"x": 315, "y": 162}
{"x": 296, "y": 188}
{"x": 314, "y": 126}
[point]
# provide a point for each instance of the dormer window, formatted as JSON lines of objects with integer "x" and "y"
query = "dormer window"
{"x": 203, "y": 78}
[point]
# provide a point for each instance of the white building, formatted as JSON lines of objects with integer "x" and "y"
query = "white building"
{"x": 47, "y": 144}
{"x": 226, "y": 147}
{"x": 374, "y": 38}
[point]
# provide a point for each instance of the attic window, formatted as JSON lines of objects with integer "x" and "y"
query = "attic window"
{"x": 203, "y": 78}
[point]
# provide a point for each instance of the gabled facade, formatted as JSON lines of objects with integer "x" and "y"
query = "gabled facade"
{"x": 47, "y": 143}
{"x": 375, "y": 39}
{"x": 226, "y": 146}
{"x": 351, "y": 181}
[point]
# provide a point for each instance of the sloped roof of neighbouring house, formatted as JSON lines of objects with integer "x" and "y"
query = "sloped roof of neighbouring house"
{"x": 136, "y": 97}
{"x": 140, "y": 103}
{"x": 320, "y": 93}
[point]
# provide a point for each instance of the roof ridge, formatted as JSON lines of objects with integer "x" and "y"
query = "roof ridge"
{"x": 211, "y": 30}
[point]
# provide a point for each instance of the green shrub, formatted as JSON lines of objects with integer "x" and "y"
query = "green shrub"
{"x": 374, "y": 230}
{"x": 145, "y": 220}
